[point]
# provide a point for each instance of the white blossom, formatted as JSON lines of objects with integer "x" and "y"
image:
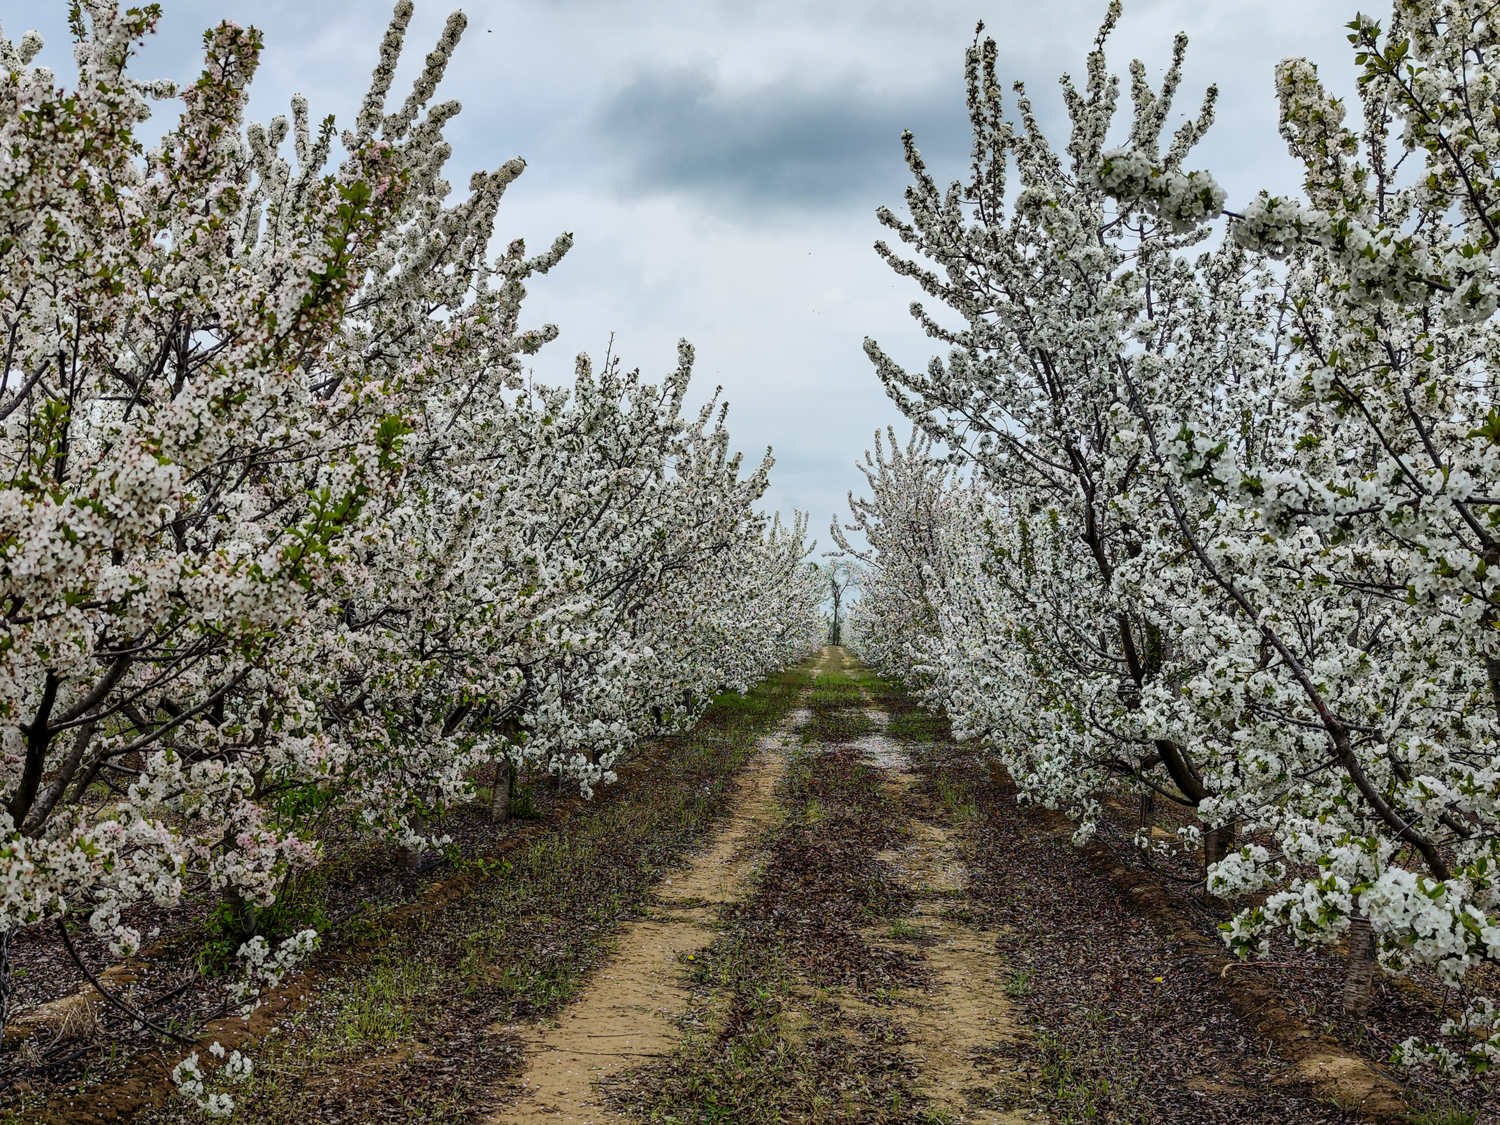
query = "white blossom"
{"x": 1222, "y": 531}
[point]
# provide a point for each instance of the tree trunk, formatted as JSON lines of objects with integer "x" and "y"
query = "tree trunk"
{"x": 505, "y": 789}
{"x": 1217, "y": 843}
{"x": 246, "y": 916}
{"x": 48, "y": 798}
{"x": 411, "y": 858}
{"x": 5, "y": 982}
{"x": 1148, "y": 811}
{"x": 1492, "y": 669}
{"x": 1360, "y": 976}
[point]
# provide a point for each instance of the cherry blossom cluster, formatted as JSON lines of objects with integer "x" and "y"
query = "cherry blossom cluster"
{"x": 287, "y": 534}
{"x": 1227, "y": 531}
{"x": 194, "y": 1081}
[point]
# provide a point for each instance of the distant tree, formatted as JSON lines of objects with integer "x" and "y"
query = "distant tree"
{"x": 840, "y": 576}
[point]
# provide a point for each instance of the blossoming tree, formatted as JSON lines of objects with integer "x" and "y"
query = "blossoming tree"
{"x": 287, "y": 532}
{"x": 1238, "y": 532}
{"x": 1055, "y": 291}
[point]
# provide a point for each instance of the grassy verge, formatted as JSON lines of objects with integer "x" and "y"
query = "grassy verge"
{"x": 407, "y": 1025}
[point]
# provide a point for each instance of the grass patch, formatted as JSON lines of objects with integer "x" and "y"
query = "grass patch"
{"x": 1018, "y": 984}
{"x": 902, "y": 930}
{"x": 837, "y": 705}
{"x": 909, "y": 722}
{"x": 834, "y": 690}
{"x": 956, "y": 798}
{"x": 919, "y": 726}
{"x": 1444, "y": 1113}
{"x": 763, "y": 706}
{"x": 837, "y": 726}
{"x": 1079, "y": 1083}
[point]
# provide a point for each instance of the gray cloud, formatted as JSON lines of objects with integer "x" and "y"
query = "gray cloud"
{"x": 776, "y": 145}
{"x": 719, "y": 160}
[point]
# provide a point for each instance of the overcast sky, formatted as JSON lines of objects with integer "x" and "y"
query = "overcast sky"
{"x": 720, "y": 163}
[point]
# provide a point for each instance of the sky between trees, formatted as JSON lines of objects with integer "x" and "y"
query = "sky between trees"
{"x": 720, "y": 162}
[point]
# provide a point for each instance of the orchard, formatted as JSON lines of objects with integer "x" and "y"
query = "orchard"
{"x": 367, "y": 702}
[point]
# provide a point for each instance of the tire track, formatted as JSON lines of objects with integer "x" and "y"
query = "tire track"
{"x": 963, "y": 1023}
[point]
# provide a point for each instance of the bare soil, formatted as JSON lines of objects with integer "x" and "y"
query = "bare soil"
{"x": 963, "y": 1023}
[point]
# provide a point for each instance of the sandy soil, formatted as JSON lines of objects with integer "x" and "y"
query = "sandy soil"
{"x": 956, "y": 1024}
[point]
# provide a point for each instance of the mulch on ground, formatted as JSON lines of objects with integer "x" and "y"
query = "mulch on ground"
{"x": 1129, "y": 1022}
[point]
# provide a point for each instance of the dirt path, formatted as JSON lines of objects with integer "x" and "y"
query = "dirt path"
{"x": 852, "y": 982}
{"x": 960, "y": 1024}
{"x": 625, "y": 1016}
{"x": 956, "y": 1028}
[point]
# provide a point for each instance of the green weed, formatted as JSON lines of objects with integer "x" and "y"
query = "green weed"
{"x": 377, "y": 1006}
{"x": 1018, "y": 984}
{"x": 523, "y": 803}
{"x": 1445, "y": 1114}
{"x": 229, "y": 925}
{"x": 956, "y": 799}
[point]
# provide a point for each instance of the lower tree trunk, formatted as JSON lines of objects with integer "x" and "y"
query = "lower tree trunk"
{"x": 246, "y": 915}
{"x": 1217, "y": 843}
{"x": 412, "y": 857}
{"x": 5, "y": 982}
{"x": 505, "y": 789}
{"x": 1148, "y": 810}
{"x": 1361, "y": 971}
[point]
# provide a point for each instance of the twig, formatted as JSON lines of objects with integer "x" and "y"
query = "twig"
{"x": 427, "y": 865}
{"x": 1260, "y": 965}
{"x": 115, "y": 1001}
{"x": 10, "y": 1080}
{"x": 181, "y": 988}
